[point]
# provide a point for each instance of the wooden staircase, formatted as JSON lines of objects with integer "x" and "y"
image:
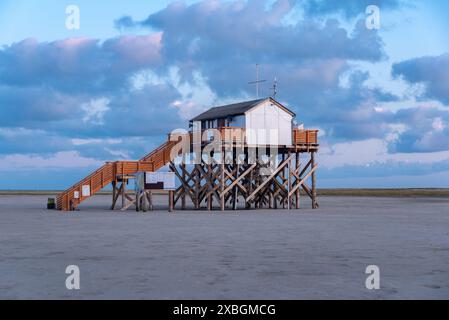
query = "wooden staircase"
{"x": 109, "y": 172}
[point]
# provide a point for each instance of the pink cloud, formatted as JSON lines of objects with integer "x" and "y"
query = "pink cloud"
{"x": 136, "y": 51}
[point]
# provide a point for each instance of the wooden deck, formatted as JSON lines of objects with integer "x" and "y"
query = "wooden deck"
{"x": 302, "y": 140}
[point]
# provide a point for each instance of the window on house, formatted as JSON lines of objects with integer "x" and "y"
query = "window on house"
{"x": 221, "y": 122}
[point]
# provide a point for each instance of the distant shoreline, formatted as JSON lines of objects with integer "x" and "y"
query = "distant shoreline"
{"x": 390, "y": 192}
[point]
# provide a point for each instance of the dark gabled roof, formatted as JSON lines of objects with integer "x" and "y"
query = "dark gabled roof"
{"x": 227, "y": 110}
{"x": 232, "y": 110}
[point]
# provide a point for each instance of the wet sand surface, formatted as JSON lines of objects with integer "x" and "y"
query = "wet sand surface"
{"x": 263, "y": 254}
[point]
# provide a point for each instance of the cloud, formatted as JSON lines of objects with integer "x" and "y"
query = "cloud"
{"x": 95, "y": 110}
{"x": 45, "y": 144}
{"x": 197, "y": 38}
{"x": 346, "y": 113}
{"x": 431, "y": 71}
{"x": 125, "y": 22}
{"x": 375, "y": 153}
{"x": 426, "y": 130}
{"x": 24, "y": 106}
{"x": 202, "y": 30}
{"x": 73, "y": 86}
{"x": 78, "y": 64}
{"x": 349, "y": 8}
{"x": 375, "y": 166}
{"x": 65, "y": 159}
{"x": 82, "y": 142}
{"x": 122, "y": 113}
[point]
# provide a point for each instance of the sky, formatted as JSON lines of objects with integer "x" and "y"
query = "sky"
{"x": 71, "y": 99}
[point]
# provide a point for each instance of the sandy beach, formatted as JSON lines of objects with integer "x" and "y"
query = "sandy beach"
{"x": 264, "y": 254}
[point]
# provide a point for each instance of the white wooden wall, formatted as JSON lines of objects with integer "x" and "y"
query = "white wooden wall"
{"x": 268, "y": 124}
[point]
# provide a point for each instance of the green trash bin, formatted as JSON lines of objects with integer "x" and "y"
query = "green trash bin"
{"x": 51, "y": 204}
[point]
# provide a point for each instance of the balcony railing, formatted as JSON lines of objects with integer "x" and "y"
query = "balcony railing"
{"x": 300, "y": 137}
{"x": 305, "y": 137}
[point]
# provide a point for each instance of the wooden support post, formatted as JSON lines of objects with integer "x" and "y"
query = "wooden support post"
{"x": 170, "y": 201}
{"x": 210, "y": 195}
{"x": 248, "y": 183}
{"x": 144, "y": 200}
{"x": 275, "y": 201}
{"x": 251, "y": 182}
{"x": 314, "y": 202}
{"x": 213, "y": 182}
{"x": 275, "y": 197}
{"x": 297, "y": 168}
{"x": 236, "y": 189}
{"x": 197, "y": 187}
{"x": 114, "y": 194}
{"x": 150, "y": 199}
{"x": 256, "y": 182}
{"x": 289, "y": 182}
{"x": 209, "y": 185}
{"x": 283, "y": 178}
{"x": 258, "y": 177}
{"x": 209, "y": 202}
{"x": 222, "y": 181}
{"x": 183, "y": 196}
{"x": 250, "y": 187}
{"x": 123, "y": 192}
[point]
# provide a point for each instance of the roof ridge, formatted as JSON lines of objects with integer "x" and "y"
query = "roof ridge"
{"x": 232, "y": 109}
{"x": 241, "y": 102}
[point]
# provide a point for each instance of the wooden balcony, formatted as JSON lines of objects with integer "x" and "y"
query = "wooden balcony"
{"x": 301, "y": 138}
{"x": 305, "y": 137}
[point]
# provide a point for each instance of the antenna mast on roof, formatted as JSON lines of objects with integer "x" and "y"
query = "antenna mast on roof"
{"x": 257, "y": 81}
{"x": 274, "y": 88}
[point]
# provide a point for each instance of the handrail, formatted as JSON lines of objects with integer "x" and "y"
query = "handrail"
{"x": 305, "y": 137}
{"x": 300, "y": 136}
{"x": 65, "y": 199}
{"x": 90, "y": 176}
{"x": 149, "y": 155}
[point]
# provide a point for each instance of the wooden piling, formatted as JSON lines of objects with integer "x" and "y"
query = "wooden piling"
{"x": 314, "y": 202}
{"x": 297, "y": 168}
{"x": 170, "y": 201}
